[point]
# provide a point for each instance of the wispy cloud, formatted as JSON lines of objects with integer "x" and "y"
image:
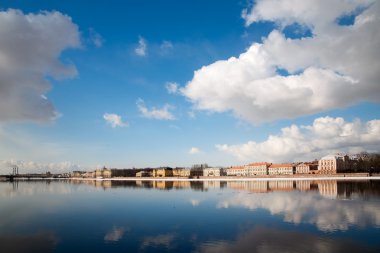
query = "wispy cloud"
{"x": 155, "y": 113}
{"x": 114, "y": 120}
{"x": 171, "y": 87}
{"x": 166, "y": 45}
{"x": 96, "y": 38}
{"x": 141, "y": 49}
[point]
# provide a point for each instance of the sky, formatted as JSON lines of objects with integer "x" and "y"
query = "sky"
{"x": 143, "y": 83}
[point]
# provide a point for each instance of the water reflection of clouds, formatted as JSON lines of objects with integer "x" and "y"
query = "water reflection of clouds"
{"x": 31, "y": 188}
{"x": 268, "y": 240}
{"x": 298, "y": 207}
{"x": 43, "y": 242}
{"x": 115, "y": 234}
{"x": 161, "y": 240}
{"x": 195, "y": 202}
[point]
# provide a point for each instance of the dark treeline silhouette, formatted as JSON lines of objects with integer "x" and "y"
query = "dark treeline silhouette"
{"x": 365, "y": 163}
{"x": 128, "y": 172}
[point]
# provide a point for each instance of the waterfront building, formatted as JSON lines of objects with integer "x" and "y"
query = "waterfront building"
{"x": 77, "y": 174}
{"x": 281, "y": 169}
{"x": 197, "y": 170}
{"x": 181, "y": 172}
{"x": 89, "y": 174}
{"x": 239, "y": 171}
{"x": 143, "y": 174}
{"x": 213, "y": 172}
{"x": 163, "y": 172}
{"x": 257, "y": 169}
{"x": 331, "y": 164}
{"x": 306, "y": 168}
{"x": 104, "y": 173}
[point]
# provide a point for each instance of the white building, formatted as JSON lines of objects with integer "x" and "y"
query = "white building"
{"x": 330, "y": 164}
{"x": 213, "y": 172}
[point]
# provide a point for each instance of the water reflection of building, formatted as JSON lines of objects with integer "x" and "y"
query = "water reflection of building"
{"x": 328, "y": 188}
{"x": 282, "y": 185}
{"x": 211, "y": 184}
{"x": 303, "y": 185}
{"x": 254, "y": 186}
{"x": 181, "y": 184}
{"x": 163, "y": 184}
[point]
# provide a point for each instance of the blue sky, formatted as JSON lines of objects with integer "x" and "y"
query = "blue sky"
{"x": 300, "y": 84}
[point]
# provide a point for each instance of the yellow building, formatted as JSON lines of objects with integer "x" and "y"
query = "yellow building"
{"x": 163, "y": 172}
{"x": 181, "y": 172}
{"x": 104, "y": 173}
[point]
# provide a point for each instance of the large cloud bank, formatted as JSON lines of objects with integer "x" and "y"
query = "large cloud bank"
{"x": 30, "y": 47}
{"x": 337, "y": 66}
{"x": 325, "y": 135}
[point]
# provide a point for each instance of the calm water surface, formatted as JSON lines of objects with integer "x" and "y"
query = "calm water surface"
{"x": 255, "y": 216}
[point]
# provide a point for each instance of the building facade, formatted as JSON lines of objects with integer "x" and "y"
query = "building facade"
{"x": 238, "y": 171}
{"x": 213, "y": 172}
{"x": 281, "y": 169}
{"x": 331, "y": 164}
{"x": 162, "y": 172}
{"x": 181, "y": 172}
{"x": 257, "y": 169}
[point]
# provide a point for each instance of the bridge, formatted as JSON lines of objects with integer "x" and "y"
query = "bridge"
{"x": 15, "y": 175}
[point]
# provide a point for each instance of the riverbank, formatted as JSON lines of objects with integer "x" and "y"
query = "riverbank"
{"x": 346, "y": 176}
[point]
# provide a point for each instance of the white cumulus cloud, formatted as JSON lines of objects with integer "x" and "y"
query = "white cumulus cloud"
{"x": 336, "y": 66}
{"x": 295, "y": 143}
{"x": 194, "y": 151}
{"x": 114, "y": 120}
{"x": 155, "y": 113}
{"x": 30, "y": 49}
{"x": 141, "y": 49}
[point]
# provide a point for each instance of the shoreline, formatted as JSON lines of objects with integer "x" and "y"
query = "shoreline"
{"x": 231, "y": 178}
{"x": 300, "y": 177}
